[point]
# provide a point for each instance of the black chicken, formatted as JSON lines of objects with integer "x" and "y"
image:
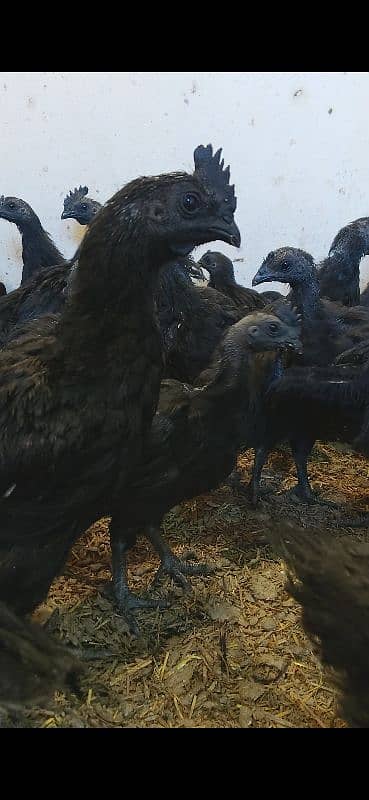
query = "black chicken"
{"x": 39, "y": 251}
{"x": 306, "y": 404}
{"x": 45, "y": 293}
{"x": 195, "y": 437}
{"x": 78, "y": 393}
{"x": 312, "y": 403}
{"x": 80, "y": 207}
{"x": 327, "y": 328}
{"x": 329, "y": 578}
{"x": 32, "y": 665}
{"x": 339, "y": 273}
{"x": 192, "y": 320}
{"x": 222, "y": 278}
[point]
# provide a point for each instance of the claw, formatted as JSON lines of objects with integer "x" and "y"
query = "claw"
{"x": 126, "y": 601}
{"x": 310, "y": 498}
{"x": 177, "y": 569}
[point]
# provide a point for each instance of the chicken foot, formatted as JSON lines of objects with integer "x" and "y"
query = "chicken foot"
{"x": 126, "y": 600}
{"x": 170, "y": 564}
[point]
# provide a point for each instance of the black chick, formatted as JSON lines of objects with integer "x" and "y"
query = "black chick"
{"x": 222, "y": 278}
{"x": 306, "y": 404}
{"x": 339, "y": 273}
{"x": 78, "y": 393}
{"x": 291, "y": 413}
{"x": 39, "y": 251}
{"x": 329, "y": 578}
{"x": 195, "y": 438}
{"x": 32, "y": 664}
{"x": 327, "y": 328}
{"x": 80, "y": 207}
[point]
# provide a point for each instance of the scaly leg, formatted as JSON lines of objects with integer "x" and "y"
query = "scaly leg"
{"x": 125, "y": 599}
{"x": 261, "y": 455}
{"x": 170, "y": 564}
{"x": 301, "y": 449}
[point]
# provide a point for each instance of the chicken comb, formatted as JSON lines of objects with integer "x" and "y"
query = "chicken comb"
{"x": 288, "y": 313}
{"x": 209, "y": 167}
{"x": 75, "y": 195}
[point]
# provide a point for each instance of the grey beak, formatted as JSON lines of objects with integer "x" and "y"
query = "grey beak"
{"x": 262, "y": 276}
{"x": 228, "y": 233}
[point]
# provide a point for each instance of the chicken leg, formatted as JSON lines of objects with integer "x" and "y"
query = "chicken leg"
{"x": 126, "y": 600}
{"x": 253, "y": 488}
{"x": 170, "y": 564}
{"x": 301, "y": 449}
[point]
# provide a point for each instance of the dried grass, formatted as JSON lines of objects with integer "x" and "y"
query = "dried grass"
{"x": 229, "y": 654}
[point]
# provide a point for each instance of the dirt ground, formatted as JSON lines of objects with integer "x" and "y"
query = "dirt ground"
{"x": 229, "y": 654}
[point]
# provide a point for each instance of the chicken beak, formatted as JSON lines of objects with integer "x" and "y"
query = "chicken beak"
{"x": 228, "y": 233}
{"x": 262, "y": 276}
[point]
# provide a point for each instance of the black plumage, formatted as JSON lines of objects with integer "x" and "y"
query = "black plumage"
{"x": 78, "y": 392}
{"x": 38, "y": 249}
{"x": 358, "y": 354}
{"x": 330, "y": 579}
{"x": 195, "y": 437}
{"x": 222, "y": 278}
{"x": 80, "y": 207}
{"x": 192, "y": 320}
{"x": 364, "y": 297}
{"x": 45, "y": 293}
{"x": 32, "y": 664}
{"x": 328, "y": 328}
{"x": 339, "y": 273}
{"x": 315, "y": 401}
{"x": 306, "y": 404}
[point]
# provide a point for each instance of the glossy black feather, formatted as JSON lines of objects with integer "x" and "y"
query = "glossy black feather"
{"x": 329, "y": 577}
{"x": 79, "y": 390}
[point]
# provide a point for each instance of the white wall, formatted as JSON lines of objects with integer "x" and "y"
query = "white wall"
{"x": 297, "y": 143}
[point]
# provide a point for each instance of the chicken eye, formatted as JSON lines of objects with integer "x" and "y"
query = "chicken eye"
{"x": 273, "y": 327}
{"x": 190, "y": 202}
{"x": 284, "y": 266}
{"x": 254, "y": 330}
{"x": 12, "y": 206}
{"x": 84, "y": 206}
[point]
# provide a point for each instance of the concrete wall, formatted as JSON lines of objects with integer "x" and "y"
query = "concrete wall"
{"x": 297, "y": 143}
